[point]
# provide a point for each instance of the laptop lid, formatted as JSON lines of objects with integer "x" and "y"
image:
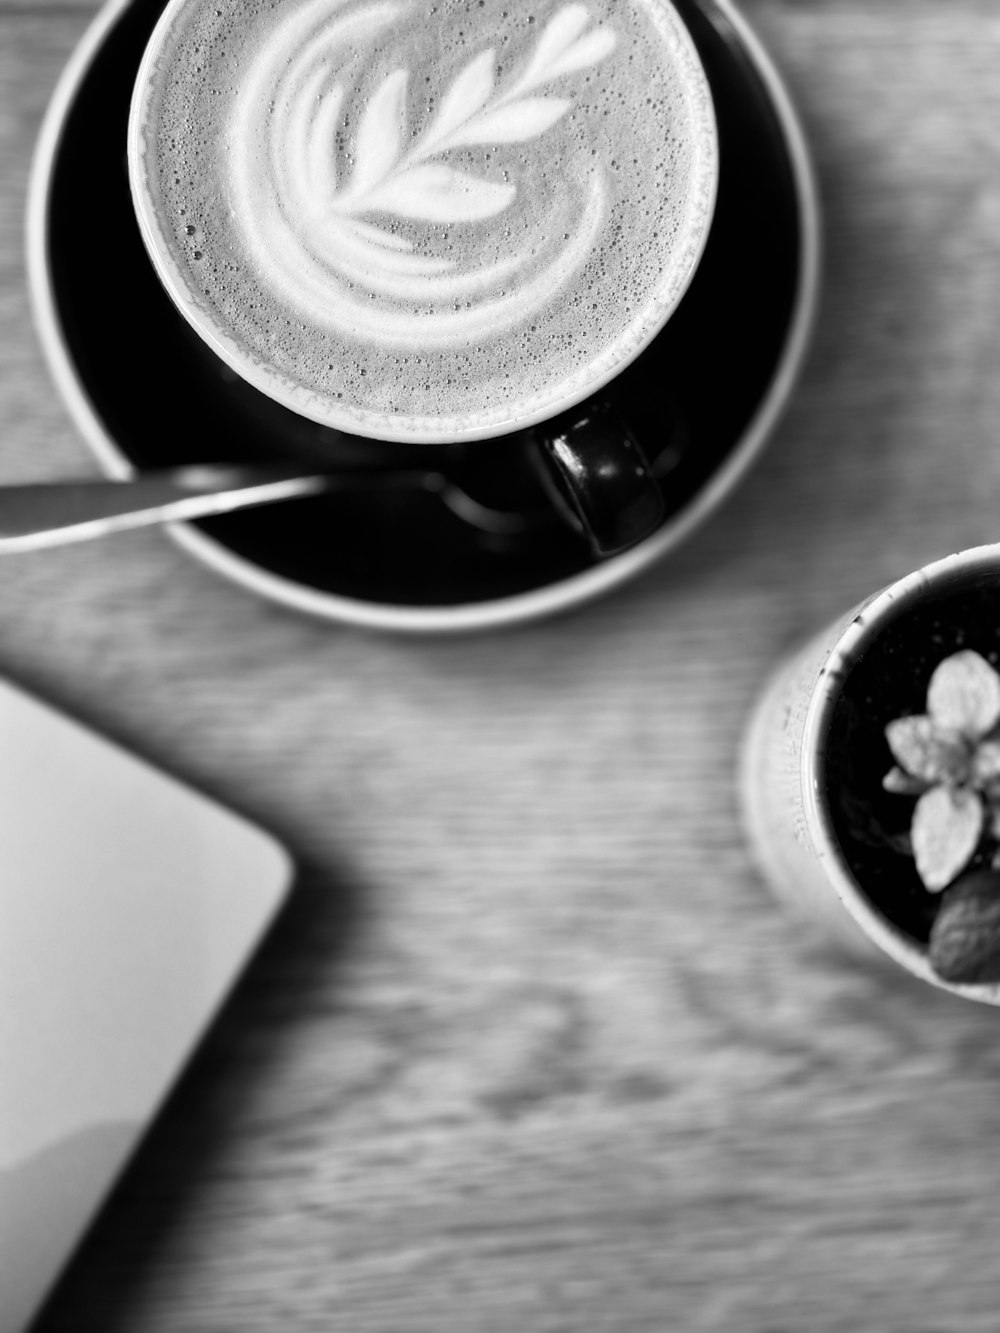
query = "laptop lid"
{"x": 128, "y": 905}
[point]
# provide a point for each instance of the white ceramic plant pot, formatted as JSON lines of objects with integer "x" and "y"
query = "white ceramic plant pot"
{"x": 783, "y": 776}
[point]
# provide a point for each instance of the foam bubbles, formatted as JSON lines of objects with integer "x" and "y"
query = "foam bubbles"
{"x": 424, "y": 219}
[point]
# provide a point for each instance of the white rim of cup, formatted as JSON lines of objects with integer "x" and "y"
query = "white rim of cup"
{"x": 869, "y": 619}
{"x": 518, "y": 608}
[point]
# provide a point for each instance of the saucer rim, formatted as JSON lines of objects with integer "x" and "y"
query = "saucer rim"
{"x": 536, "y": 603}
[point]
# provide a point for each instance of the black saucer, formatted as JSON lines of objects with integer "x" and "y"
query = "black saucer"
{"x": 727, "y": 358}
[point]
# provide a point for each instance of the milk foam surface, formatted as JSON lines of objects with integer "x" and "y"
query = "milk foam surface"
{"x": 424, "y": 218}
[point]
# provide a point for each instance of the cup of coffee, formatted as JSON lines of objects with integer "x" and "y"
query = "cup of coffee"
{"x": 433, "y": 222}
{"x": 871, "y": 776}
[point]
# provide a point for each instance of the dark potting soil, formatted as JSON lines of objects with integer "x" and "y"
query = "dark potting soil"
{"x": 889, "y": 680}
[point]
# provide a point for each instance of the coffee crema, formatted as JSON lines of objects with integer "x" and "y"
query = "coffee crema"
{"x": 424, "y": 219}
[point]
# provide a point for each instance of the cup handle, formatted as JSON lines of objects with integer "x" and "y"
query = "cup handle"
{"x": 598, "y": 477}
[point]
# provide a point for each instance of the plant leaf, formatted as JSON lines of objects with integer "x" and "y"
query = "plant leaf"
{"x": 946, "y": 826}
{"x": 926, "y": 751}
{"x": 379, "y": 140}
{"x": 964, "y": 694}
{"x": 515, "y": 122}
{"x": 903, "y": 784}
{"x": 436, "y": 193}
{"x": 986, "y": 763}
{"x": 901, "y": 843}
{"x": 467, "y": 94}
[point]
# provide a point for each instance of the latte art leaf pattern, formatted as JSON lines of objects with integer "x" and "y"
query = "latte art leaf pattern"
{"x": 388, "y": 180}
{"x": 318, "y": 225}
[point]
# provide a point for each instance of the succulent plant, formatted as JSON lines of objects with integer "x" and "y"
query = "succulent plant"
{"x": 949, "y": 758}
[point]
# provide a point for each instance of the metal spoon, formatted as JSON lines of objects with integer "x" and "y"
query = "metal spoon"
{"x": 43, "y": 514}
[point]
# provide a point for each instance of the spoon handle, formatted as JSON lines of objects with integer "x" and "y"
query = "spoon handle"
{"x": 52, "y": 513}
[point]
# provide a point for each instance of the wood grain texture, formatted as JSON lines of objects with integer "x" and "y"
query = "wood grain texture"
{"x": 531, "y": 1048}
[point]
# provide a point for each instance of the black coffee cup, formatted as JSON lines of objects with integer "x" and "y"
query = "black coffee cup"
{"x": 588, "y": 458}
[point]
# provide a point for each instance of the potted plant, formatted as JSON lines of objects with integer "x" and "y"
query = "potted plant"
{"x": 871, "y": 775}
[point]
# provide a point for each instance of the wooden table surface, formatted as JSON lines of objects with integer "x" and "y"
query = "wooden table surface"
{"x": 531, "y": 1048}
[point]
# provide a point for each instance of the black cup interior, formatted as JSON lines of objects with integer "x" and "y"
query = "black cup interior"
{"x": 165, "y": 399}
